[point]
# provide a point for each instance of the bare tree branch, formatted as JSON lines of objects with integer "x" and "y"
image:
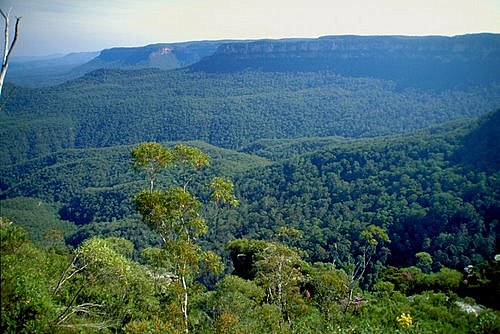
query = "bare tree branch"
{"x": 82, "y": 308}
{"x": 7, "y": 51}
{"x": 6, "y": 34}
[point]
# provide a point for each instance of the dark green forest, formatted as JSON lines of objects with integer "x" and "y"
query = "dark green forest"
{"x": 273, "y": 187}
{"x": 117, "y": 107}
{"x": 419, "y": 207}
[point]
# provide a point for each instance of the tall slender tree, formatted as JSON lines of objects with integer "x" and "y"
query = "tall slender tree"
{"x": 176, "y": 214}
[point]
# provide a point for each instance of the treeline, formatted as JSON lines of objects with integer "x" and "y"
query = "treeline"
{"x": 118, "y": 107}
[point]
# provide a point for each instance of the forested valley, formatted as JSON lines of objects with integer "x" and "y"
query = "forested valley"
{"x": 249, "y": 201}
{"x": 111, "y": 107}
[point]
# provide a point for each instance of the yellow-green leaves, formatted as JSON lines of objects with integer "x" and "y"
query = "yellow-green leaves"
{"x": 99, "y": 256}
{"x": 176, "y": 215}
{"x": 375, "y": 234}
{"x": 213, "y": 262}
{"x": 222, "y": 191}
{"x": 191, "y": 156}
{"x": 156, "y": 257}
{"x": 151, "y": 157}
{"x": 180, "y": 204}
{"x": 151, "y": 205}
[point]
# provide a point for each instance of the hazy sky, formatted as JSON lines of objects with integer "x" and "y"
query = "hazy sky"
{"x": 62, "y": 26}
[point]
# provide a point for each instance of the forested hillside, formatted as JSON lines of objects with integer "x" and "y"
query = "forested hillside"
{"x": 334, "y": 235}
{"x": 116, "y": 107}
{"x": 423, "y": 189}
{"x": 328, "y": 188}
{"x": 357, "y": 87}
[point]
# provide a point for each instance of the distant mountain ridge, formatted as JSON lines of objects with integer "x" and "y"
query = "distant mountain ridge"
{"x": 423, "y": 61}
{"x": 58, "y": 69}
{"x": 45, "y": 71}
{"x": 57, "y": 59}
{"x": 165, "y": 56}
{"x": 430, "y": 61}
{"x": 349, "y": 86}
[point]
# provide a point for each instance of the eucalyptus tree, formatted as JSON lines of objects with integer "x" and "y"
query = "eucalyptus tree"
{"x": 279, "y": 271}
{"x": 176, "y": 214}
{"x": 372, "y": 239}
{"x": 102, "y": 288}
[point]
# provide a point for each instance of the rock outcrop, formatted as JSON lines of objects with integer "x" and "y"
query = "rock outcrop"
{"x": 429, "y": 61}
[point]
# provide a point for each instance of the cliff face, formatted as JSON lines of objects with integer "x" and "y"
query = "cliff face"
{"x": 157, "y": 55}
{"x": 163, "y": 55}
{"x": 433, "y": 61}
{"x": 465, "y": 46}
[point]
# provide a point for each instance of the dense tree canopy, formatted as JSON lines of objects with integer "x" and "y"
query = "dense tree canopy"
{"x": 117, "y": 107}
{"x": 330, "y": 235}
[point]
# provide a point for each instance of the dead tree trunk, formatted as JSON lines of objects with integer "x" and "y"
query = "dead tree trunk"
{"x": 7, "y": 49}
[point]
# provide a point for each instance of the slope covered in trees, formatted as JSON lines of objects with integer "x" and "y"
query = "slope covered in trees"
{"x": 116, "y": 107}
{"x": 276, "y": 285}
{"x": 423, "y": 189}
{"x": 97, "y": 184}
{"x": 351, "y": 218}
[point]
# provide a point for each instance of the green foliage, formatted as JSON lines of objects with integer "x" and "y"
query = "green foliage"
{"x": 424, "y": 261}
{"x": 278, "y": 271}
{"x": 13, "y": 237}
{"x": 373, "y": 235}
{"x": 101, "y": 288}
{"x": 115, "y": 107}
{"x": 236, "y": 298}
{"x": 329, "y": 288}
{"x": 191, "y": 156}
{"x": 176, "y": 215}
{"x": 411, "y": 187}
{"x": 155, "y": 257}
{"x": 394, "y": 215}
{"x": 98, "y": 289}
{"x": 411, "y": 280}
{"x": 222, "y": 191}
{"x": 131, "y": 228}
{"x": 154, "y": 326}
{"x": 444, "y": 280}
{"x": 37, "y": 217}
{"x": 415, "y": 187}
{"x": 27, "y": 275}
{"x": 151, "y": 157}
{"x": 121, "y": 246}
{"x": 96, "y": 185}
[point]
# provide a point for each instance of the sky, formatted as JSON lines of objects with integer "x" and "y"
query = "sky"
{"x": 64, "y": 26}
